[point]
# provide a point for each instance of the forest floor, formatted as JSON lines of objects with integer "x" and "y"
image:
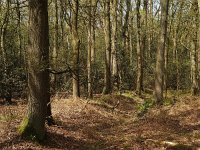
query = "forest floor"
{"x": 111, "y": 122}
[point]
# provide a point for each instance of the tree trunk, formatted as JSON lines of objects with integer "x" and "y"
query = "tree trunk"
{"x": 198, "y": 41}
{"x": 194, "y": 74}
{"x": 159, "y": 74}
{"x": 194, "y": 52}
{"x": 38, "y": 75}
{"x": 75, "y": 47}
{"x": 55, "y": 47}
{"x": 93, "y": 23}
{"x": 19, "y": 31}
{"x": 107, "y": 30}
{"x": 89, "y": 65}
{"x": 139, "y": 53}
{"x": 114, "y": 38}
{"x": 6, "y": 91}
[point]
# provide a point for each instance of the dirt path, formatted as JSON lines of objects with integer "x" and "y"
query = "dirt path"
{"x": 109, "y": 123}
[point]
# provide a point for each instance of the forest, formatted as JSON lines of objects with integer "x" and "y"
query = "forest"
{"x": 100, "y": 74}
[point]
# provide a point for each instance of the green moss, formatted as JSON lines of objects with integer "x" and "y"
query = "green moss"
{"x": 23, "y": 126}
{"x": 28, "y": 132}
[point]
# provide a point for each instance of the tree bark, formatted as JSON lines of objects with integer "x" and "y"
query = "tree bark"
{"x": 38, "y": 74}
{"x": 139, "y": 52}
{"x": 6, "y": 91}
{"x": 55, "y": 47}
{"x": 89, "y": 61}
{"x": 194, "y": 71}
{"x": 198, "y": 42}
{"x": 194, "y": 52}
{"x": 107, "y": 30}
{"x": 114, "y": 38}
{"x": 159, "y": 74}
{"x": 75, "y": 47}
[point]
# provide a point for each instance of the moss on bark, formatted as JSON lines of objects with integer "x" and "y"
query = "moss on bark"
{"x": 26, "y": 130}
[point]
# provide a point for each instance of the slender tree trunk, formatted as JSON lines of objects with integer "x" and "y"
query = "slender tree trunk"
{"x": 19, "y": 31}
{"x": 159, "y": 74}
{"x": 55, "y": 46}
{"x": 114, "y": 38}
{"x": 139, "y": 52}
{"x": 194, "y": 52}
{"x": 125, "y": 26}
{"x": 6, "y": 91}
{"x": 89, "y": 65}
{"x": 107, "y": 30}
{"x": 145, "y": 26}
{"x": 38, "y": 75}
{"x": 198, "y": 41}
{"x": 131, "y": 43}
{"x": 150, "y": 29}
{"x": 194, "y": 71}
{"x": 75, "y": 47}
{"x": 93, "y": 23}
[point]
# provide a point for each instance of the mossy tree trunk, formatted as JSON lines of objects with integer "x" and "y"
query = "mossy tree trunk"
{"x": 38, "y": 75}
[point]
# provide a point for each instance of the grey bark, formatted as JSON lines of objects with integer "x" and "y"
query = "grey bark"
{"x": 159, "y": 74}
{"x": 38, "y": 74}
{"x": 75, "y": 47}
{"x": 107, "y": 31}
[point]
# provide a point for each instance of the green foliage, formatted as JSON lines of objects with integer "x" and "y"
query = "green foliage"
{"x": 7, "y": 118}
{"x": 169, "y": 101}
{"x": 142, "y": 108}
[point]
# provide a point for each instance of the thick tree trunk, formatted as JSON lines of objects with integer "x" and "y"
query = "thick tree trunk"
{"x": 107, "y": 30}
{"x": 159, "y": 74}
{"x": 75, "y": 47}
{"x": 38, "y": 75}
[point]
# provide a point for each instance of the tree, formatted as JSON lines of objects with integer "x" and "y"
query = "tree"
{"x": 198, "y": 39}
{"x": 139, "y": 52}
{"x": 75, "y": 47}
{"x": 89, "y": 61}
{"x": 55, "y": 45}
{"x": 107, "y": 31}
{"x": 159, "y": 74}
{"x": 194, "y": 59}
{"x": 114, "y": 38}
{"x": 38, "y": 74}
{"x": 3, "y": 28}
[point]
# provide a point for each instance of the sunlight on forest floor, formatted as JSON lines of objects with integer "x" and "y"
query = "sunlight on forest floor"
{"x": 110, "y": 122}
